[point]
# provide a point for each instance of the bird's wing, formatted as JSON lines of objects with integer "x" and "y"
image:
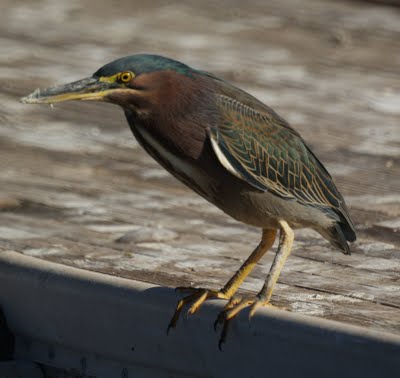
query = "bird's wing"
{"x": 262, "y": 149}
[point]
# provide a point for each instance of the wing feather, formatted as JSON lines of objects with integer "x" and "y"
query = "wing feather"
{"x": 262, "y": 149}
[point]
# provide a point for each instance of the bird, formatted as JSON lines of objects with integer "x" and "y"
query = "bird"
{"x": 231, "y": 149}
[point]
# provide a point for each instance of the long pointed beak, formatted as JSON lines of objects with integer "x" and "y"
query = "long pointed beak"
{"x": 89, "y": 89}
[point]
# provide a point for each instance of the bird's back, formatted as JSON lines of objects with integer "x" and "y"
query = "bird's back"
{"x": 257, "y": 145}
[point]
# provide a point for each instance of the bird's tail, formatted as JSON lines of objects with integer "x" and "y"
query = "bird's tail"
{"x": 339, "y": 234}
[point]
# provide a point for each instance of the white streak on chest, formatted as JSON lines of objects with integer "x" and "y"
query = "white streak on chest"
{"x": 184, "y": 171}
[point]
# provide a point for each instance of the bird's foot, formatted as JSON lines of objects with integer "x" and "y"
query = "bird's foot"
{"x": 196, "y": 297}
{"x": 235, "y": 305}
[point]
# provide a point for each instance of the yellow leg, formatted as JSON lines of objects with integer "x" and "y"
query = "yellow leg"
{"x": 235, "y": 305}
{"x": 285, "y": 247}
{"x": 268, "y": 238}
{"x": 199, "y": 295}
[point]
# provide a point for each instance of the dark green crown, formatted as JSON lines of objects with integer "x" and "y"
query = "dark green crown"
{"x": 142, "y": 63}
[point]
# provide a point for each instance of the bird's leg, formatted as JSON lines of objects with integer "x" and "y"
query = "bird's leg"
{"x": 267, "y": 240}
{"x": 237, "y": 304}
{"x": 198, "y": 295}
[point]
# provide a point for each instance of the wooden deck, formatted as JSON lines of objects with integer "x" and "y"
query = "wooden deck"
{"x": 76, "y": 188}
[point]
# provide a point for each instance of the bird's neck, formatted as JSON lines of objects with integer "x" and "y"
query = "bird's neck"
{"x": 177, "y": 116}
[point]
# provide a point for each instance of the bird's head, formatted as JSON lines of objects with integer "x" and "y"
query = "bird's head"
{"x": 139, "y": 81}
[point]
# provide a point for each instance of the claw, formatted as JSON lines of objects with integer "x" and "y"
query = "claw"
{"x": 175, "y": 317}
{"x": 225, "y": 317}
{"x": 220, "y": 320}
{"x": 235, "y": 305}
{"x": 222, "y": 316}
{"x": 232, "y": 309}
{"x": 195, "y": 299}
{"x": 216, "y": 322}
{"x": 224, "y": 333}
{"x": 257, "y": 303}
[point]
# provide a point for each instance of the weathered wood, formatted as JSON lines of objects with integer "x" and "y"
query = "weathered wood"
{"x": 77, "y": 189}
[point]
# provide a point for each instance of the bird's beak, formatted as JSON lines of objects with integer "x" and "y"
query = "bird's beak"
{"x": 89, "y": 89}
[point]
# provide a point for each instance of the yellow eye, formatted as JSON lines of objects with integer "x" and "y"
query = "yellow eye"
{"x": 126, "y": 77}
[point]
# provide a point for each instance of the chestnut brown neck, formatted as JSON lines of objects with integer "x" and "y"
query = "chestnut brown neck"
{"x": 175, "y": 109}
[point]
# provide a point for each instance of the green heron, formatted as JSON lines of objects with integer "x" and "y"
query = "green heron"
{"x": 228, "y": 147}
